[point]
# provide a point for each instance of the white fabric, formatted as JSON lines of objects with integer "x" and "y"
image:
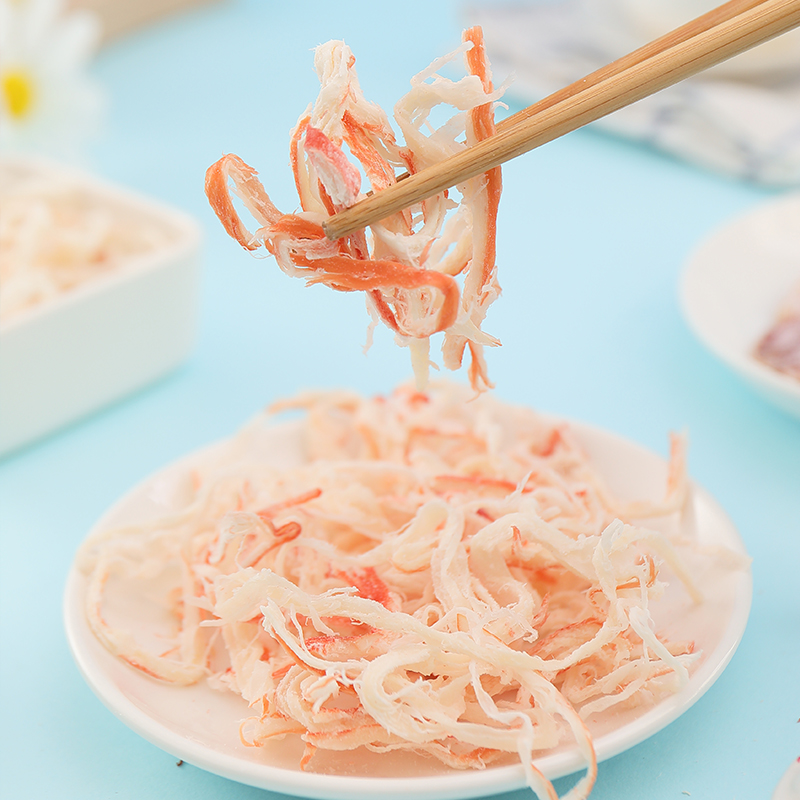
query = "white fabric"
{"x": 745, "y": 121}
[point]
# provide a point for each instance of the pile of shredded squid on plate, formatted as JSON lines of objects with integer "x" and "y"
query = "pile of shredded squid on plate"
{"x": 408, "y": 264}
{"x": 434, "y": 574}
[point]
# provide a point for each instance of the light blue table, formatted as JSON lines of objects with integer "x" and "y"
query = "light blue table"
{"x": 592, "y": 238}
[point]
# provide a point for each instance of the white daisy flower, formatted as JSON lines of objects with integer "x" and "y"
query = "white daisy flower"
{"x": 48, "y": 103}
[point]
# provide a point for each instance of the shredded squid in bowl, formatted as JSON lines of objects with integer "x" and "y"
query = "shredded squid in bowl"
{"x": 60, "y": 230}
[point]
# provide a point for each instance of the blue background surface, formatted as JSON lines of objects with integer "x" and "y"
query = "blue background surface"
{"x": 592, "y": 236}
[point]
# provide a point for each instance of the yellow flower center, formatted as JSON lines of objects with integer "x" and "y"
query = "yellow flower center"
{"x": 18, "y": 92}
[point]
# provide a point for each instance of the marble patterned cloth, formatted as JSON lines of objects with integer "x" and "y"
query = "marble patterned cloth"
{"x": 744, "y": 125}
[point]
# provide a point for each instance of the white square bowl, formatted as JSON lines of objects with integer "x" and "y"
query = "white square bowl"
{"x": 106, "y": 337}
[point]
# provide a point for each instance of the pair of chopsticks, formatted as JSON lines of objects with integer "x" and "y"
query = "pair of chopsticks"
{"x": 710, "y": 39}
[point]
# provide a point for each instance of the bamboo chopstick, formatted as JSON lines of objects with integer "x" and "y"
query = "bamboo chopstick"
{"x": 722, "y": 33}
{"x": 681, "y": 34}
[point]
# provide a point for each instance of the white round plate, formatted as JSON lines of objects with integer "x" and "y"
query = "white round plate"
{"x": 733, "y": 285}
{"x": 201, "y": 725}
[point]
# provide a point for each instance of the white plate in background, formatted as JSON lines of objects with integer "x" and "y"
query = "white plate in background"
{"x": 201, "y": 725}
{"x": 733, "y": 285}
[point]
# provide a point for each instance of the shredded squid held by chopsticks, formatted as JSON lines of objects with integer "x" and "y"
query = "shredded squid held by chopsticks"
{"x": 434, "y": 575}
{"x": 407, "y": 264}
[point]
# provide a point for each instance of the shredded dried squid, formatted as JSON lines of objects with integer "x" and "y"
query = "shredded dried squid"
{"x": 408, "y": 264}
{"x": 59, "y": 231}
{"x": 434, "y": 575}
